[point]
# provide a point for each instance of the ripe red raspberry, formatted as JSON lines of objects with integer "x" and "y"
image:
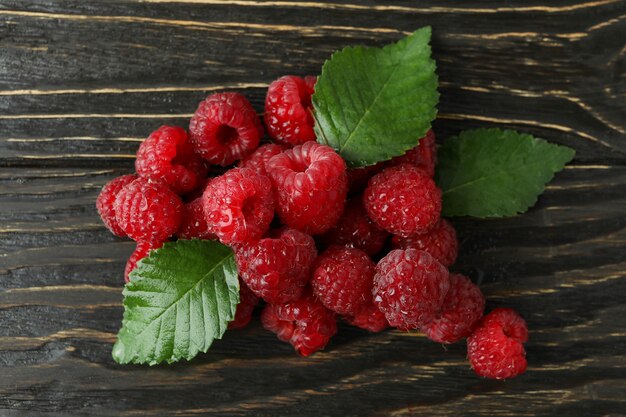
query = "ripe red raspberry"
{"x": 355, "y": 229}
{"x": 194, "y": 224}
{"x": 440, "y": 242}
{"x": 148, "y": 211}
{"x": 305, "y": 323}
{"x": 167, "y": 156}
{"x": 423, "y": 156}
{"x": 495, "y": 349}
{"x": 288, "y": 109}
{"x": 310, "y": 186}
{"x": 462, "y": 308}
{"x": 369, "y": 318}
{"x": 409, "y": 287}
{"x": 238, "y": 206}
{"x": 225, "y": 128}
{"x": 141, "y": 251}
{"x": 247, "y": 302}
{"x": 342, "y": 279}
{"x": 403, "y": 200}
{"x": 106, "y": 199}
{"x": 258, "y": 159}
{"x": 277, "y": 267}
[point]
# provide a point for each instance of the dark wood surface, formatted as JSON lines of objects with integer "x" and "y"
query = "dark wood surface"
{"x": 82, "y": 82}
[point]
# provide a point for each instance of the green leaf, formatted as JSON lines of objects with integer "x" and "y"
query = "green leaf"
{"x": 496, "y": 173}
{"x": 180, "y": 298}
{"x": 372, "y": 104}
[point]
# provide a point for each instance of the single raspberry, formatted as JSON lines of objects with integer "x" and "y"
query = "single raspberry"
{"x": 167, "y": 156}
{"x": 141, "y": 251}
{"x": 305, "y": 323}
{"x": 247, "y": 302}
{"x": 496, "y": 349}
{"x": 148, "y": 211}
{"x": 355, "y": 229}
{"x": 225, "y": 128}
{"x": 369, "y": 318}
{"x": 342, "y": 279}
{"x": 310, "y": 186}
{"x": 409, "y": 287}
{"x": 359, "y": 177}
{"x": 258, "y": 159}
{"x": 461, "y": 310}
{"x": 194, "y": 224}
{"x": 440, "y": 242}
{"x": 106, "y": 200}
{"x": 403, "y": 200}
{"x": 423, "y": 156}
{"x": 288, "y": 109}
{"x": 277, "y": 267}
{"x": 238, "y": 206}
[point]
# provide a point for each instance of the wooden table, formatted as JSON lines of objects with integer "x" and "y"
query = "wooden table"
{"x": 82, "y": 82}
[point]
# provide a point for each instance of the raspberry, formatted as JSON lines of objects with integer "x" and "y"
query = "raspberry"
{"x": 148, "y": 211}
{"x": 462, "y": 308}
{"x": 258, "y": 159}
{"x": 141, "y": 251}
{"x": 409, "y": 287}
{"x": 194, "y": 224}
{"x": 310, "y": 185}
{"x": 355, "y": 229}
{"x": 277, "y": 268}
{"x": 495, "y": 349}
{"x": 342, "y": 279}
{"x": 403, "y": 200}
{"x": 247, "y": 302}
{"x": 305, "y": 323}
{"x": 423, "y": 156}
{"x": 167, "y": 156}
{"x": 440, "y": 242}
{"x": 369, "y": 318}
{"x": 225, "y": 128}
{"x": 106, "y": 199}
{"x": 288, "y": 109}
{"x": 238, "y": 206}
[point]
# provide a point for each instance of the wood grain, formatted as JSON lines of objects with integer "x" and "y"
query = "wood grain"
{"x": 81, "y": 83}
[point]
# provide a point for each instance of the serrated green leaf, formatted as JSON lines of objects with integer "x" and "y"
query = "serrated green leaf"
{"x": 372, "y": 104}
{"x": 496, "y": 173}
{"x": 180, "y": 298}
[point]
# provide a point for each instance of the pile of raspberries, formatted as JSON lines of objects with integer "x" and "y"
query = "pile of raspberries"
{"x": 312, "y": 239}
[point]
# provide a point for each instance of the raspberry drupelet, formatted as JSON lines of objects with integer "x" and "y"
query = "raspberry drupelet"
{"x": 277, "y": 268}
{"x": 461, "y": 310}
{"x": 148, "y": 211}
{"x": 245, "y": 308}
{"x": 423, "y": 156}
{"x": 305, "y": 323}
{"x": 288, "y": 110}
{"x": 342, "y": 279}
{"x": 496, "y": 349}
{"x": 403, "y": 200}
{"x": 105, "y": 203}
{"x": 238, "y": 206}
{"x": 310, "y": 186}
{"x": 356, "y": 229}
{"x": 167, "y": 156}
{"x": 440, "y": 241}
{"x": 225, "y": 128}
{"x": 409, "y": 288}
{"x": 369, "y": 318}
